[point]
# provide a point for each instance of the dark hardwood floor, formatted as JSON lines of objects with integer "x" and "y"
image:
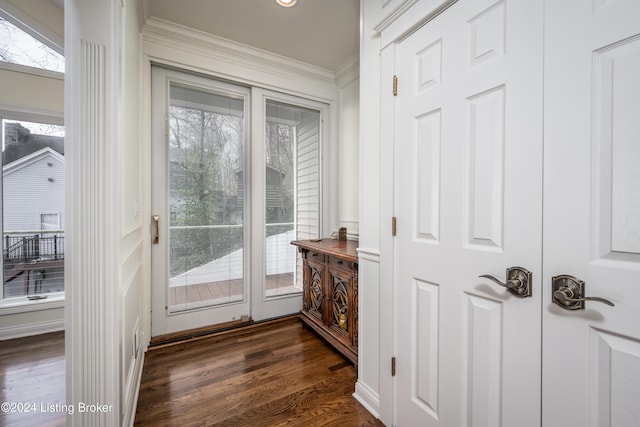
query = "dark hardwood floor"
{"x": 32, "y": 371}
{"x": 273, "y": 374}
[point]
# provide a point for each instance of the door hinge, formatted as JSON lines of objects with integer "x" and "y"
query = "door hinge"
{"x": 166, "y": 126}
{"x": 394, "y": 226}
{"x": 393, "y": 366}
{"x": 395, "y": 85}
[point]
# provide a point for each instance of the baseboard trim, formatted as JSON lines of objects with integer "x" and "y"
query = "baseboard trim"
{"x": 30, "y": 329}
{"x": 133, "y": 391}
{"x": 367, "y": 398}
{"x": 227, "y": 328}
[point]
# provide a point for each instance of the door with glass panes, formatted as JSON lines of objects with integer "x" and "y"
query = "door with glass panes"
{"x": 236, "y": 177}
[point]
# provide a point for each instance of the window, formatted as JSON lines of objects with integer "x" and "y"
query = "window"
{"x": 206, "y": 154}
{"x": 32, "y": 209}
{"x": 49, "y": 221}
{"x": 292, "y": 155}
{"x": 19, "y": 47}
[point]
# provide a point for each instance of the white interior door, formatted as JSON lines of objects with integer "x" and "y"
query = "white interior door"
{"x": 591, "y": 356}
{"x": 468, "y": 203}
{"x": 199, "y": 262}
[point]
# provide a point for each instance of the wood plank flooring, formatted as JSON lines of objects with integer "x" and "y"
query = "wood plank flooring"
{"x": 274, "y": 374}
{"x": 32, "y": 370}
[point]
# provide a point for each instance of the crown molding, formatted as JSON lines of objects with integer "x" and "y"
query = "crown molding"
{"x": 349, "y": 70}
{"x": 218, "y": 50}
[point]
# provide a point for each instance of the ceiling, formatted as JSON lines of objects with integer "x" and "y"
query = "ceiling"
{"x": 323, "y": 33}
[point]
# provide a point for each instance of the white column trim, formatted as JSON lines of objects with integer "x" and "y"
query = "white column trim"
{"x": 91, "y": 264}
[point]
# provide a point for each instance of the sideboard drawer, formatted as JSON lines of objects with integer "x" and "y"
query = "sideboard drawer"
{"x": 342, "y": 264}
{"x": 315, "y": 256}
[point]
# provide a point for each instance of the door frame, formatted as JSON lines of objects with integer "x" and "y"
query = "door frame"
{"x": 254, "y": 302}
{"x": 405, "y": 19}
{"x": 207, "y": 55}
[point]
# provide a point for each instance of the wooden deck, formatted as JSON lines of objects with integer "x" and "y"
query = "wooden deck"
{"x": 19, "y": 278}
{"x": 221, "y": 292}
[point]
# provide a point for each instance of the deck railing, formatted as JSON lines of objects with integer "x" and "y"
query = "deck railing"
{"x": 33, "y": 245}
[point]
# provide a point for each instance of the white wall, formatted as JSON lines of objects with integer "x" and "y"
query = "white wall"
{"x": 20, "y": 323}
{"x": 33, "y": 95}
{"x": 368, "y": 386}
{"x": 349, "y": 148}
{"x": 134, "y": 240}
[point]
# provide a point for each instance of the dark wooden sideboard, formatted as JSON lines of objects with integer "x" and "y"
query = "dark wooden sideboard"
{"x": 330, "y": 292}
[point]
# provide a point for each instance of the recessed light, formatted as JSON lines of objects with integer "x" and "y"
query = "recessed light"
{"x": 286, "y": 3}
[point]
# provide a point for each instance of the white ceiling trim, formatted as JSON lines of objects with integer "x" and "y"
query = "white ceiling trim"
{"x": 179, "y": 46}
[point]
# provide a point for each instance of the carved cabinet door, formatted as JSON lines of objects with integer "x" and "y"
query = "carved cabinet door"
{"x": 340, "y": 318}
{"x": 315, "y": 294}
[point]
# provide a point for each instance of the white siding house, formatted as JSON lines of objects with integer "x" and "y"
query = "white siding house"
{"x": 34, "y": 192}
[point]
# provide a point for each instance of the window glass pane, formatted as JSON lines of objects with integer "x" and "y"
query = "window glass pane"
{"x": 206, "y": 145}
{"x": 292, "y": 144}
{"x": 32, "y": 208}
{"x": 18, "y": 47}
{"x": 49, "y": 221}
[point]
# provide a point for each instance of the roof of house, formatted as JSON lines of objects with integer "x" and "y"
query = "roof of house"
{"x": 20, "y": 142}
{"x": 31, "y": 158}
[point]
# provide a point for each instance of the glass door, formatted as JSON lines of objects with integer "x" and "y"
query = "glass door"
{"x": 199, "y": 267}
{"x": 291, "y": 151}
{"x": 223, "y": 250}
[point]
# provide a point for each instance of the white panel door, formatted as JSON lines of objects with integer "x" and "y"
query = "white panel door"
{"x": 468, "y": 203}
{"x": 591, "y": 356}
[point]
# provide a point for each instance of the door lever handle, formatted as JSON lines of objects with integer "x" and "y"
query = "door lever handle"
{"x": 512, "y": 284}
{"x": 566, "y": 296}
{"x": 156, "y": 238}
{"x": 518, "y": 281}
{"x": 568, "y": 293}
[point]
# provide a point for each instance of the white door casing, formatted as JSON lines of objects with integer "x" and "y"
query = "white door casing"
{"x": 468, "y": 202}
{"x": 591, "y": 357}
